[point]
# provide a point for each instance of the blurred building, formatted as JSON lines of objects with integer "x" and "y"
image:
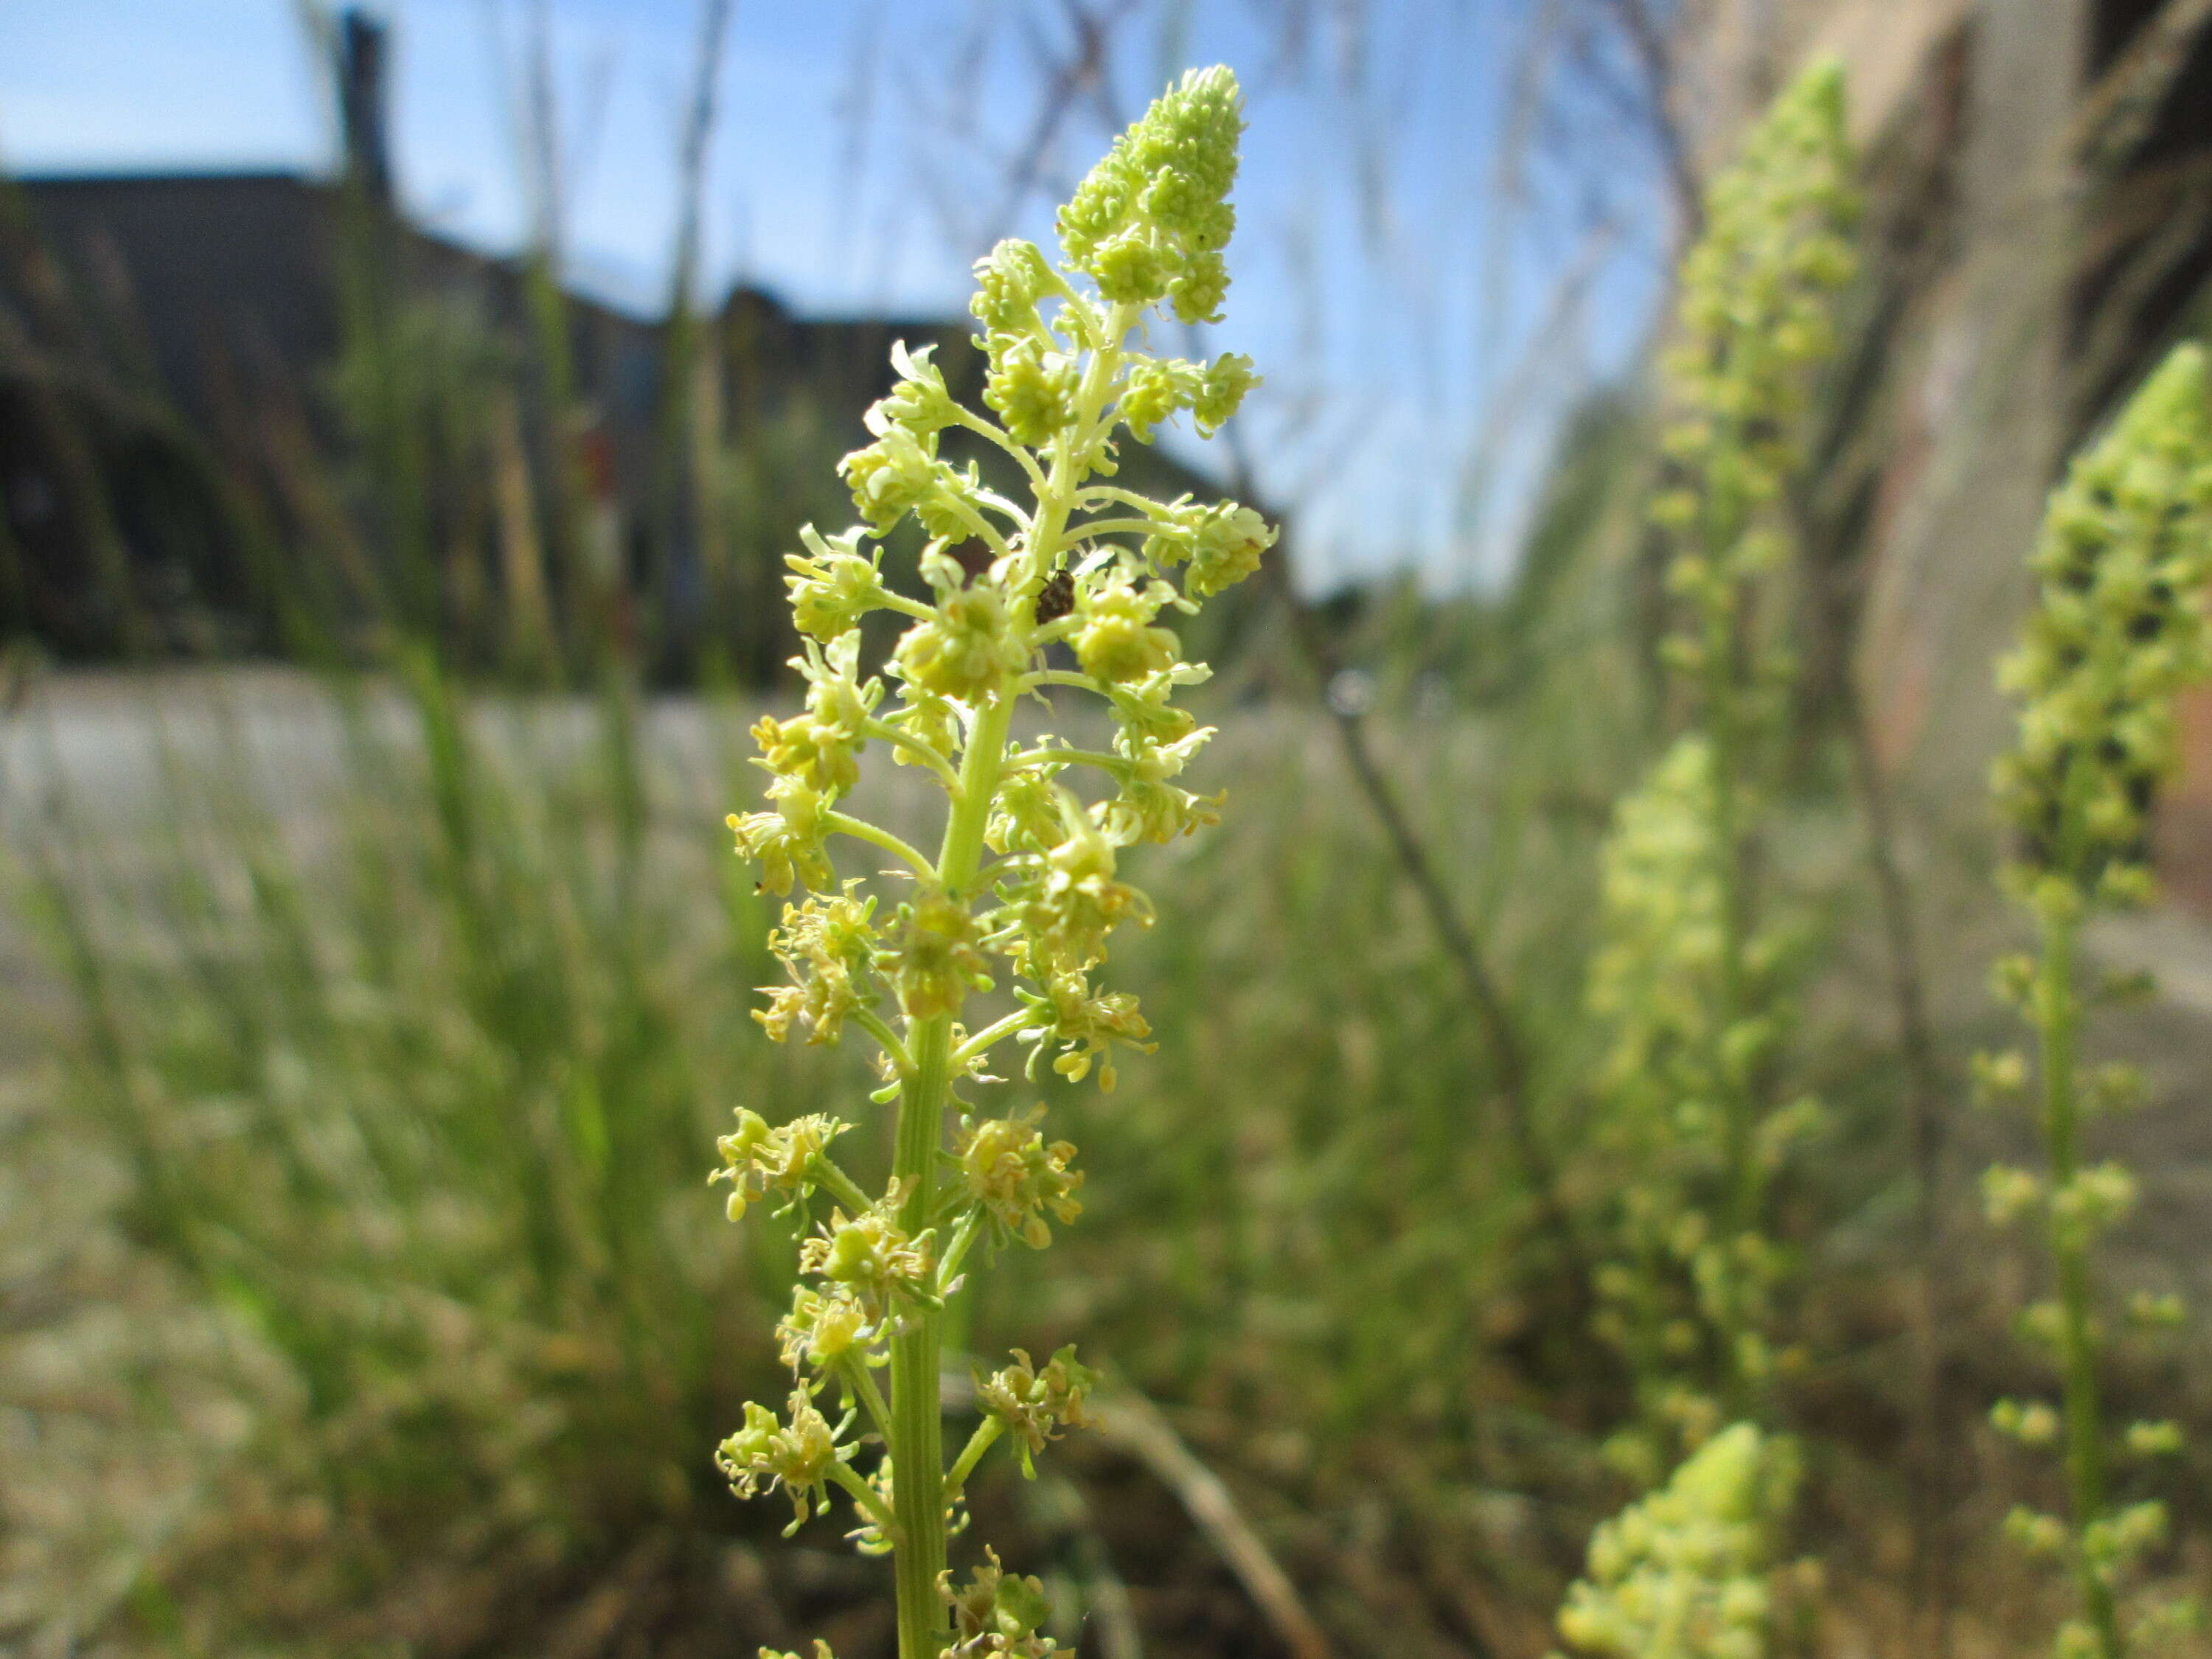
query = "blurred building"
{"x": 185, "y": 318}
{"x": 196, "y": 371}
{"x": 2039, "y": 233}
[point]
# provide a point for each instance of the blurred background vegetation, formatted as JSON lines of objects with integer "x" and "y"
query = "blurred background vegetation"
{"x": 380, "y": 624}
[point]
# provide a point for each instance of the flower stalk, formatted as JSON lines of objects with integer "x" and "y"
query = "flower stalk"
{"x": 2124, "y": 570}
{"x": 1686, "y": 978}
{"x": 1026, "y": 870}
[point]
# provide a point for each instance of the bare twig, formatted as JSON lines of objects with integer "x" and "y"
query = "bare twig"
{"x": 1933, "y": 1563}
{"x": 684, "y": 488}
{"x": 1508, "y": 179}
{"x": 1132, "y": 1423}
{"x": 1500, "y": 1029}
{"x": 1537, "y": 362}
{"x": 1932, "y": 1574}
{"x": 691, "y": 155}
{"x": 1654, "y": 56}
{"x": 1080, "y": 73}
{"x": 534, "y": 121}
{"x": 1137, "y": 1426}
{"x": 2102, "y": 362}
{"x": 855, "y": 112}
{"x": 1061, "y": 1505}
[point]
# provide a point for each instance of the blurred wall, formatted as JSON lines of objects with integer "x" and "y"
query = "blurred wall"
{"x": 2040, "y": 232}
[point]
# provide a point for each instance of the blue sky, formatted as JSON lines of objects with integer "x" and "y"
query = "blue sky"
{"x": 864, "y": 155}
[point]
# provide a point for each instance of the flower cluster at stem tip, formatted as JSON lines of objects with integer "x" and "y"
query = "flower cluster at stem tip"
{"x": 1075, "y": 589}
{"x": 2124, "y": 570}
{"x": 2118, "y": 630}
{"x": 1691, "y": 1571}
{"x": 1756, "y": 315}
{"x": 1147, "y": 227}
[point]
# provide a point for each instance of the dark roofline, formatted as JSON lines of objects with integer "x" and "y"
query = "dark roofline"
{"x": 175, "y": 175}
{"x": 739, "y": 289}
{"x": 744, "y": 289}
{"x": 576, "y": 285}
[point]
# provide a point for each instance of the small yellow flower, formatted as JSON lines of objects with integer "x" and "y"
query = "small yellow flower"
{"x": 1035, "y": 1404}
{"x": 870, "y": 1257}
{"x": 1010, "y": 1171}
{"x": 968, "y": 649}
{"x": 1114, "y": 639}
{"x": 768, "y": 1453}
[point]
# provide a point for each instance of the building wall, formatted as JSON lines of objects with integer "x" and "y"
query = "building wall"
{"x": 2039, "y": 233}
{"x": 1976, "y": 418}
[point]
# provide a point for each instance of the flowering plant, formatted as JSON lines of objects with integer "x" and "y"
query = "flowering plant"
{"x": 1688, "y": 980}
{"x": 1026, "y": 882}
{"x": 2119, "y": 628}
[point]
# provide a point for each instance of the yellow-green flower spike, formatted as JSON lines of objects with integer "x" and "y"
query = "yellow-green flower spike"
{"x": 1684, "y": 983}
{"x": 2124, "y": 568}
{"x": 1070, "y": 590}
{"x": 2118, "y": 629}
{"x": 1755, "y": 316}
{"x": 1151, "y": 220}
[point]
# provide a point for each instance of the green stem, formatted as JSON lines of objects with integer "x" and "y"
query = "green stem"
{"x": 917, "y": 1453}
{"x": 864, "y": 1495}
{"x": 889, "y": 1041}
{"x": 862, "y": 1381}
{"x": 1066, "y": 676}
{"x": 917, "y": 1444}
{"x": 917, "y": 1430}
{"x": 840, "y": 1186}
{"x": 1117, "y": 527}
{"x": 860, "y": 829}
{"x": 1066, "y": 625}
{"x": 2059, "y": 1018}
{"x": 985, "y": 1436}
{"x": 981, "y": 1042}
{"x": 1741, "y": 1196}
{"x": 1096, "y": 493}
{"x": 905, "y": 606}
{"x": 1005, "y": 508}
{"x": 976, "y": 522}
{"x": 1116, "y": 764}
{"x": 981, "y": 765}
{"x": 923, "y": 753}
{"x": 964, "y": 1235}
{"x": 983, "y": 429}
